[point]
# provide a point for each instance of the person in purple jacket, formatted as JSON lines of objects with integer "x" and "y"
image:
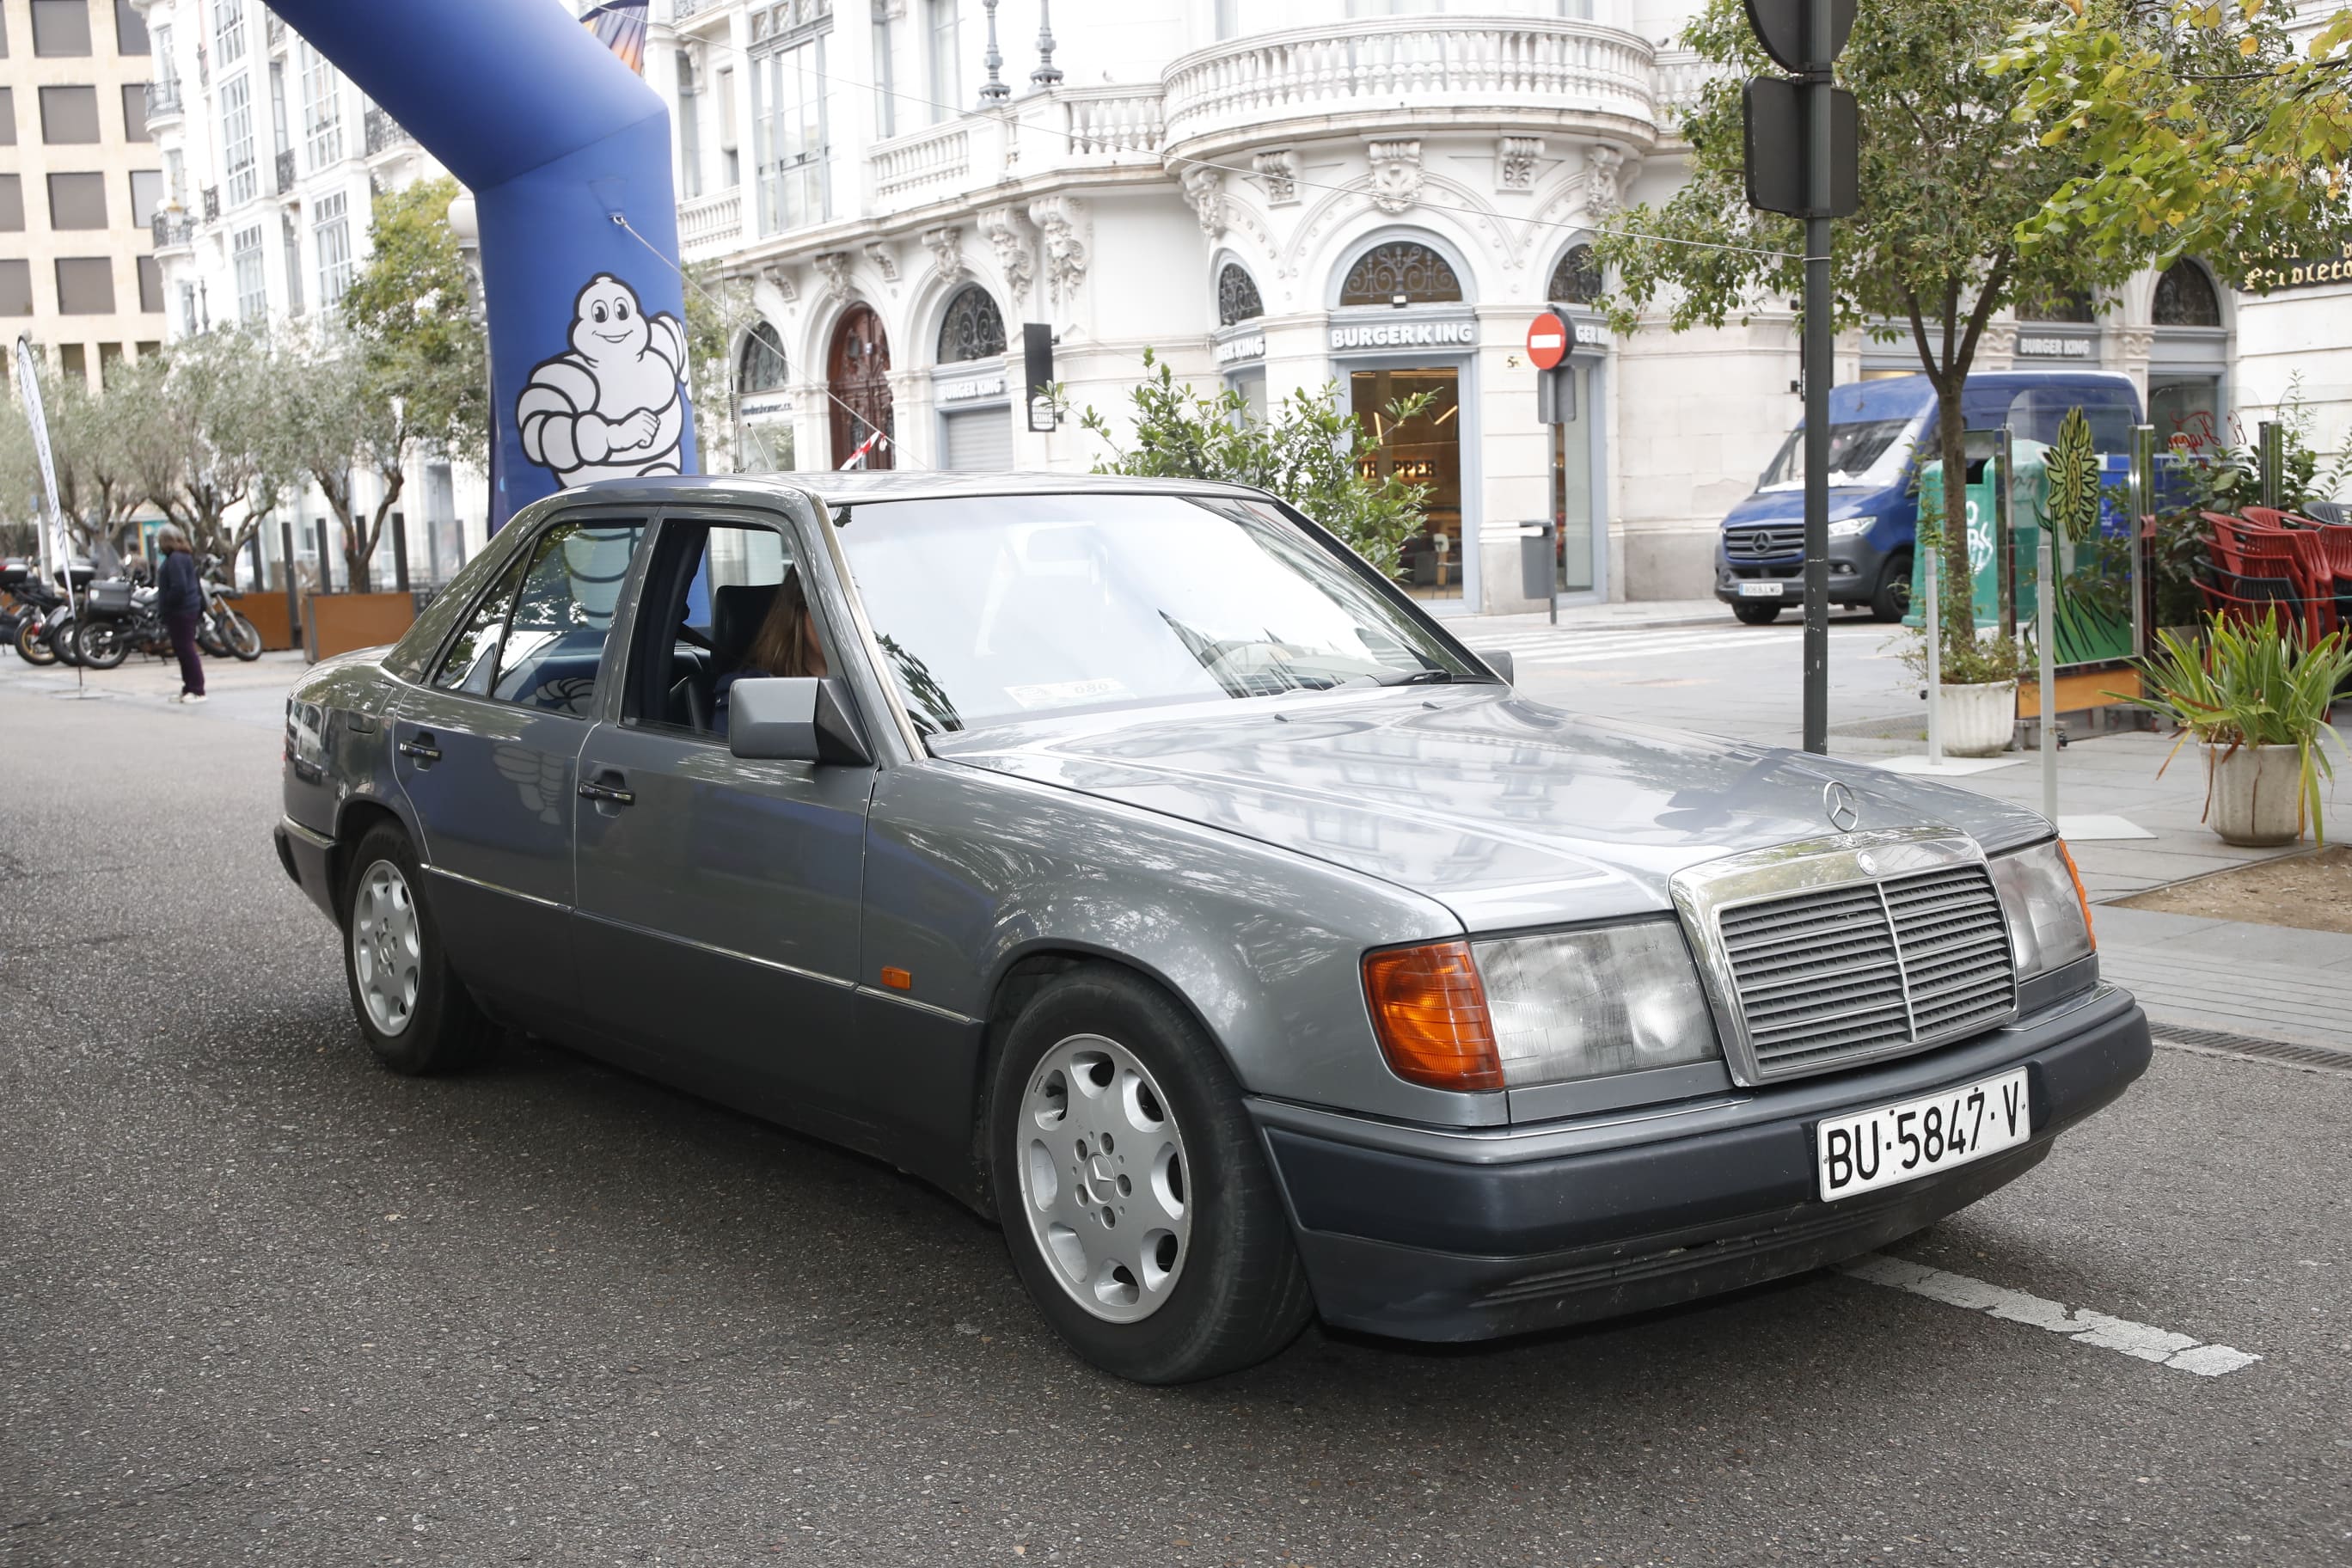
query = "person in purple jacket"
{"x": 180, "y": 600}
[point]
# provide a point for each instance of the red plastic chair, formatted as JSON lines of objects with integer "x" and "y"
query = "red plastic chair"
{"x": 2297, "y": 557}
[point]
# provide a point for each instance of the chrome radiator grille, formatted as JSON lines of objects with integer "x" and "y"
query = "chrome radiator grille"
{"x": 1869, "y": 969}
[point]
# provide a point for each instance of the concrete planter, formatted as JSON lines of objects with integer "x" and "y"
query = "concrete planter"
{"x": 2252, "y": 797}
{"x": 1978, "y": 719}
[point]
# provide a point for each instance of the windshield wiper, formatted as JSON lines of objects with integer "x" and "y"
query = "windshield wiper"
{"x": 1416, "y": 678}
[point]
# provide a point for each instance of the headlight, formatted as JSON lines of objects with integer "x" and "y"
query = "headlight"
{"x": 1514, "y": 1011}
{"x": 1852, "y": 527}
{"x": 2042, "y": 901}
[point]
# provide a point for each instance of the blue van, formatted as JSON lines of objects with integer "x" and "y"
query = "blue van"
{"x": 1876, "y": 429}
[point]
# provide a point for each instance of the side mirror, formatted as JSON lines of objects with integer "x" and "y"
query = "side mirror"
{"x": 791, "y": 719}
{"x": 1500, "y": 662}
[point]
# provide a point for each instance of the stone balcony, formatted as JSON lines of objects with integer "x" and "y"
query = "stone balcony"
{"x": 710, "y": 225}
{"x": 1401, "y": 73}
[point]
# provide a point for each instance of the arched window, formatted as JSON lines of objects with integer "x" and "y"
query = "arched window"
{"x": 763, "y": 368}
{"x": 971, "y": 328}
{"x": 2185, "y": 296}
{"x": 1400, "y": 272}
{"x": 2061, "y": 305}
{"x": 1238, "y": 298}
{"x": 1577, "y": 280}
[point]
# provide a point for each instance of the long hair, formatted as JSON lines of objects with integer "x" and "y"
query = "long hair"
{"x": 781, "y": 645}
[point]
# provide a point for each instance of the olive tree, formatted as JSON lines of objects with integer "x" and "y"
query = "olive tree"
{"x": 195, "y": 428}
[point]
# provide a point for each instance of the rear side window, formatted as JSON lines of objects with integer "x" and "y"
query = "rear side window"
{"x": 474, "y": 655}
{"x": 562, "y": 614}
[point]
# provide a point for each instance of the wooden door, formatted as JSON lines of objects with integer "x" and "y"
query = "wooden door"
{"x": 858, "y": 373}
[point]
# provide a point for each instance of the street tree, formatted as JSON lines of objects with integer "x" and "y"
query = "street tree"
{"x": 339, "y": 418}
{"x": 2221, "y": 129}
{"x": 407, "y": 312}
{"x": 1953, "y": 162}
{"x": 719, "y": 312}
{"x": 195, "y": 427}
{"x": 91, "y": 436}
{"x": 1305, "y": 450}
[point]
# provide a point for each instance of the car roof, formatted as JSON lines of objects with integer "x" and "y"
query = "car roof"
{"x": 837, "y": 489}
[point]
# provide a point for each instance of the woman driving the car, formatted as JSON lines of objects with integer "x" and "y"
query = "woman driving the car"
{"x": 785, "y": 644}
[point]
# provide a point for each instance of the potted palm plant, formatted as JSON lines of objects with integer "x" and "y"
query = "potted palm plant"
{"x": 2256, "y": 698}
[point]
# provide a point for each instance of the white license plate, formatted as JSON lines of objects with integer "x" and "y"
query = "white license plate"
{"x": 1759, "y": 590}
{"x": 1873, "y": 1149}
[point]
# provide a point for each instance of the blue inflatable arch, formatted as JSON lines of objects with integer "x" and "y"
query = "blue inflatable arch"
{"x": 567, "y": 154}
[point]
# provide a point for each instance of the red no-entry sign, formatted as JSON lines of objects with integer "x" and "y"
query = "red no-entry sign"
{"x": 1548, "y": 341}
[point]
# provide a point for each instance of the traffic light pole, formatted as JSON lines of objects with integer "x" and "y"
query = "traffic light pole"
{"x": 1822, "y": 46}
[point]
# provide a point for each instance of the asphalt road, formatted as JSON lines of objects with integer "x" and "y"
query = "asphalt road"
{"x": 259, "y": 1300}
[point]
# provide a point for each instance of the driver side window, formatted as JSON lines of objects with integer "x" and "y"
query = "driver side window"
{"x": 735, "y": 608}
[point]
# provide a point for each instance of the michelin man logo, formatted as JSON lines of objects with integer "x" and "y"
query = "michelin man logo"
{"x": 611, "y": 407}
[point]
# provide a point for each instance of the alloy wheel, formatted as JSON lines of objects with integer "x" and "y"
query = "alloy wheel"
{"x": 1105, "y": 1184}
{"x": 387, "y": 947}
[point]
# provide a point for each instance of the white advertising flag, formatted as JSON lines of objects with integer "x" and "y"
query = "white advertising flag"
{"x": 58, "y": 556}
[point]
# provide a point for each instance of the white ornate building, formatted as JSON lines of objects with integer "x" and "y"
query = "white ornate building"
{"x": 1278, "y": 195}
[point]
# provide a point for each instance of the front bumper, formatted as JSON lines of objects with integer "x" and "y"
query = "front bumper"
{"x": 1855, "y": 569}
{"x": 1430, "y": 1234}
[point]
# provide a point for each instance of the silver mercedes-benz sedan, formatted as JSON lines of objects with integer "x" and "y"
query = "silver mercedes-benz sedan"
{"x": 1131, "y": 861}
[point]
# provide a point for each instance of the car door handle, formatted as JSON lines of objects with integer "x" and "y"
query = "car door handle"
{"x": 421, "y": 748}
{"x": 609, "y": 795}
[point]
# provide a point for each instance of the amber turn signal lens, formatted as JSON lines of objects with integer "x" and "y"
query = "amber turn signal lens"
{"x": 2081, "y": 897}
{"x": 897, "y": 979}
{"x": 1430, "y": 1012}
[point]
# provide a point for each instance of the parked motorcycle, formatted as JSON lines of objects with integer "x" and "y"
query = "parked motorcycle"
{"x": 118, "y": 621}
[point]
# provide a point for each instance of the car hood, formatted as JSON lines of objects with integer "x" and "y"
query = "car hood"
{"x": 1507, "y": 811}
{"x": 1789, "y": 505}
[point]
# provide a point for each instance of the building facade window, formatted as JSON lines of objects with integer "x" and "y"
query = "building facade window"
{"x": 150, "y": 286}
{"x": 762, "y": 367}
{"x": 7, "y": 117}
{"x": 236, "y": 140}
{"x": 70, "y": 116}
{"x": 971, "y": 328}
{"x": 15, "y": 288}
{"x": 1577, "y": 280}
{"x": 146, "y": 195}
{"x": 228, "y": 33}
{"x": 2069, "y": 305}
{"x": 85, "y": 286}
{"x": 130, "y": 29}
{"x": 947, "y": 59}
{"x": 2185, "y": 296}
{"x": 1400, "y": 272}
{"x": 1237, "y": 295}
{"x": 331, "y": 235}
{"x": 886, "y": 77}
{"x": 76, "y": 201}
{"x": 188, "y": 322}
{"x": 252, "y": 287}
{"x": 11, "y": 205}
{"x": 60, "y": 28}
{"x": 789, "y": 145}
{"x": 322, "y": 120}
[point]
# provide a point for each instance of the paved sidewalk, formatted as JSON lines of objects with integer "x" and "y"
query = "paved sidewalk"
{"x": 2272, "y": 981}
{"x": 1625, "y": 615}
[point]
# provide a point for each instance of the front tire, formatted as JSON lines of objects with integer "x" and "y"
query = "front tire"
{"x": 243, "y": 636}
{"x": 1753, "y": 614}
{"x": 1135, "y": 1201}
{"x": 414, "y": 1012}
{"x": 1892, "y": 601}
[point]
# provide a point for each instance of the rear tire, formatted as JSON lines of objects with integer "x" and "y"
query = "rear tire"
{"x": 1171, "y": 1197}
{"x": 102, "y": 644}
{"x": 1892, "y": 601}
{"x": 414, "y": 1013}
{"x": 1751, "y": 614}
{"x": 30, "y": 647}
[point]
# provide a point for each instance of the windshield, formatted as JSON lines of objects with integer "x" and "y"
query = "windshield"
{"x": 996, "y": 607}
{"x": 1866, "y": 452}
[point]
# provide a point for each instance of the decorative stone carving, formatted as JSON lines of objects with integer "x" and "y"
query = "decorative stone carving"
{"x": 780, "y": 279}
{"x": 1205, "y": 189}
{"x": 2138, "y": 343}
{"x": 1062, "y": 220}
{"x": 833, "y": 266}
{"x": 1279, "y": 170}
{"x": 1013, "y": 257}
{"x": 1601, "y": 162}
{"x": 946, "y": 245}
{"x": 1997, "y": 349}
{"x": 885, "y": 260}
{"x": 1396, "y": 175}
{"x": 1514, "y": 161}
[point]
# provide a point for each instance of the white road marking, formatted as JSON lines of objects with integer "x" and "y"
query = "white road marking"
{"x": 2084, "y": 1327}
